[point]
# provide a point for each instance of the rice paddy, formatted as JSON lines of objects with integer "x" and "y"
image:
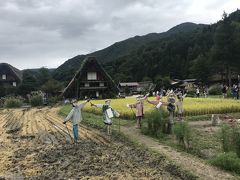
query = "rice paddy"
{"x": 191, "y": 106}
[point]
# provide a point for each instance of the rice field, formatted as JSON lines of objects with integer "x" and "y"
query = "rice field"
{"x": 191, "y": 106}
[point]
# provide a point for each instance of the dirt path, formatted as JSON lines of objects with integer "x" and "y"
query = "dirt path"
{"x": 35, "y": 144}
{"x": 187, "y": 161}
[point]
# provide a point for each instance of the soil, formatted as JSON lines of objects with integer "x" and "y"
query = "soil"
{"x": 35, "y": 144}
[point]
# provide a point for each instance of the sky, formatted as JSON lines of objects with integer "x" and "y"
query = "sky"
{"x": 46, "y": 33}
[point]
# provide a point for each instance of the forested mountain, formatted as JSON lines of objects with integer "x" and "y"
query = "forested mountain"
{"x": 65, "y": 71}
{"x": 200, "y": 53}
{"x": 185, "y": 51}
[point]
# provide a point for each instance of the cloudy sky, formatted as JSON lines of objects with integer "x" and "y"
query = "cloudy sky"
{"x": 37, "y": 33}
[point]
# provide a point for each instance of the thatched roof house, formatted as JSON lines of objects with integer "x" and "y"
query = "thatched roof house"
{"x": 9, "y": 75}
{"x": 91, "y": 81}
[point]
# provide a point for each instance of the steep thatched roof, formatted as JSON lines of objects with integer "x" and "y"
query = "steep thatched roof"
{"x": 14, "y": 70}
{"x": 79, "y": 73}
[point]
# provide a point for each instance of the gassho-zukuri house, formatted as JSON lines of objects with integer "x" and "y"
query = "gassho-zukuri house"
{"x": 9, "y": 75}
{"x": 90, "y": 81}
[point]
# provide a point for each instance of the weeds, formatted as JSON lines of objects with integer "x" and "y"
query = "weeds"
{"x": 36, "y": 101}
{"x": 228, "y": 161}
{"x": 156, "y": 121}
{"x": 230, "y": 136}
{"x": 12, "y": 102}
{"x": 183, "y": 134}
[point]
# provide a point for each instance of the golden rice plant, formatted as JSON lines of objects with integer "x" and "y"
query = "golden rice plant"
{"x": 191, "y": 106}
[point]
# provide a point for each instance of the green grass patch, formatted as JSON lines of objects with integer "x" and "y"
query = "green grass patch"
{"x": 227, "y": 161}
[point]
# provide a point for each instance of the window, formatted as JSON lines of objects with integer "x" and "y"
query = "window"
{"x": 14, "y": 84}
{"x": 86, "y": 84}
{"x": 91, "y": 76}
{"x": 4, "y": 76}
{"x": 101, "y": 84}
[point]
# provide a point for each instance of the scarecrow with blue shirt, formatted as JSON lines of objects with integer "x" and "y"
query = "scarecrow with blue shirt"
{"x": 76, "y": 116}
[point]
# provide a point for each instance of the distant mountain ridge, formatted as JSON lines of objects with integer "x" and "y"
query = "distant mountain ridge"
{"x": 65, "y": 71}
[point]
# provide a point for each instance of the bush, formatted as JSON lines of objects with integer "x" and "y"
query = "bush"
{"x": 13, "y": 102}
{"x": 226, "y": 137}
{"x": 182, "y": 132}
{"x": 237, "y": 141}
{"x": 228, "y": 161}
{"x": 215, "y": 90}
{"x": 230, "y": 136}
{"x": 156, "y": 121}
{"x": 53, "y": 100}
{"x": 36, "y": 101}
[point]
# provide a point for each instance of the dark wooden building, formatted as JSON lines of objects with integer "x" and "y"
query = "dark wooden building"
{"x": 91, "y": 81}
{"x": 129, "y": 88}
{"x": 9, "y": 75}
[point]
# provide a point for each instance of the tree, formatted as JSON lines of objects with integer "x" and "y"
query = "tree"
{"x": 158, "y": 81}
{"x": 223, "y": 49}
{"x": 166, "y": 82}
{"x": 29, "y": 83}
{"x": 146, "y": 78}
{"x": 52, "y": 87}
{"x": 43, "y": 75}
{"x": 201, "y": 69}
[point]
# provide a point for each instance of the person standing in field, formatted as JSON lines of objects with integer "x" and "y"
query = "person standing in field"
{"x": 139, "y": 110}
{"x": 76, "y": 116}
{"x": 198, "y": 92}
{"x": 224, "y": 91}
{"x": 205, "y": 91}
{"x": 108, "y": 114}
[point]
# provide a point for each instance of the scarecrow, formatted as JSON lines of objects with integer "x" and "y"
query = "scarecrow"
{"x": 171, "y": 109}
{"x": 108, "y": 113}
{"x": 179, "y": 105}
{"x": 76, "y": 116}
{"x": 139, "y": 110}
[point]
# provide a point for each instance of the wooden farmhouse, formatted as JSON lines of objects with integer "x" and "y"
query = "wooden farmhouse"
{"x": 90, "y": 81}
{"x": 9, "y": 75}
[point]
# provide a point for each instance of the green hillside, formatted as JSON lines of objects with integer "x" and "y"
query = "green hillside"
{"x": 65, "y": 71}
{"x": 187, "y": 50}
{"x": 200, "y": 53}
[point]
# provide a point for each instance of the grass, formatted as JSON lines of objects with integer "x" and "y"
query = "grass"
{"x": 228, "y": 161}
{"x": 191, "y": 106}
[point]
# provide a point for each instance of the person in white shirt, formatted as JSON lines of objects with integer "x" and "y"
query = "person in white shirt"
{"x": 76, "y": 116}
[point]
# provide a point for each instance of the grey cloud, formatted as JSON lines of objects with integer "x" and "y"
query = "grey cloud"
{"x": 35, "y": 33}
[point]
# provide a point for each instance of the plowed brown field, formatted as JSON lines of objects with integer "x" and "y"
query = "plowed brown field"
{"x": 34, "y": 144}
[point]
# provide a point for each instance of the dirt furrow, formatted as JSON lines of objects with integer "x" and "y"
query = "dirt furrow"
{"x": 16, "y": 124}
{"x": 25, "y": 123}
{"x": 44, "y": 130}
{"x": 61, "y": 127}
{"x": 83, "y": 131}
